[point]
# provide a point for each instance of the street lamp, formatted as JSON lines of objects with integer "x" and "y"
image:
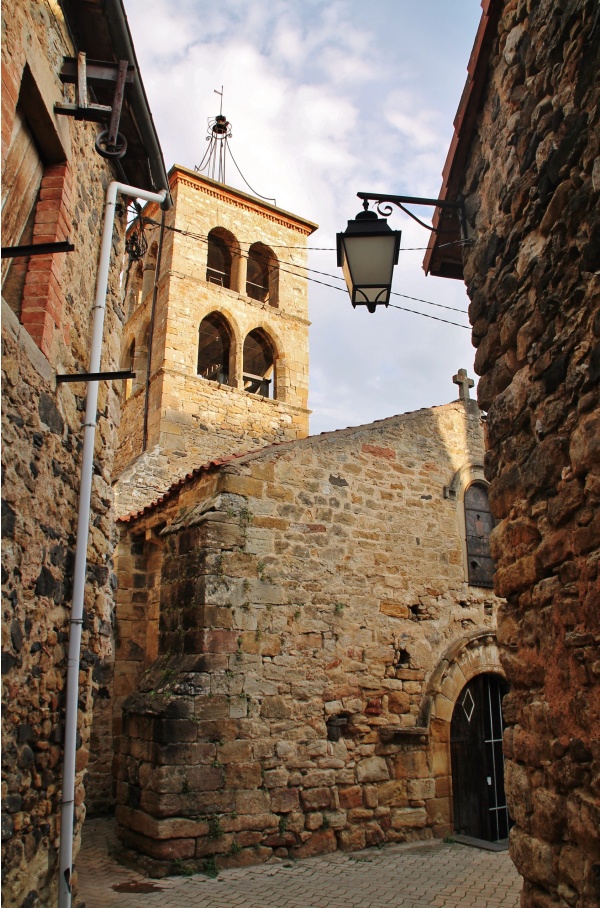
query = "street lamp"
{"x": 367, "y": 252}
{"x": 368, "y": 249}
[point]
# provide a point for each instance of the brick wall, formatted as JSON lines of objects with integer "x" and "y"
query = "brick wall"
{"x": 44, "y": 297}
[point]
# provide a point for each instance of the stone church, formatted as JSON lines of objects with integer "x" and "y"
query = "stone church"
{"x": 306, "y": 653}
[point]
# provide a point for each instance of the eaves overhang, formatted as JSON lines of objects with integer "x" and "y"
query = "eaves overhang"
{"x": 100, "y": 29}
{"x": 444, "y": 252}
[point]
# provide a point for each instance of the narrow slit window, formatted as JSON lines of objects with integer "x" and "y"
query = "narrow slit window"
{"x": 129, "y": 363}
{"x": 214, "y": 345}
{"x": 479, "y": 524}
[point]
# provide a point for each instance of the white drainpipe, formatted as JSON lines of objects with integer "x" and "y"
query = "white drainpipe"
{"x": 83, "y": 523}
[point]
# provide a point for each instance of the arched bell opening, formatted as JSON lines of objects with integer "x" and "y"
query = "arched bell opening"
{"x": 259, "y": 365}
{"x": 222, "y": 259}
{"x": 214, "y": 349}
{"x": 262, "y": 277}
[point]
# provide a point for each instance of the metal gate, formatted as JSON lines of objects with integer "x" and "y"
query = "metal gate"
{"x": 477, "y": 760}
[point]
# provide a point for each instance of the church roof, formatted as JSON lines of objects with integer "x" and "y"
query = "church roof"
{"x": 219, "y": 462}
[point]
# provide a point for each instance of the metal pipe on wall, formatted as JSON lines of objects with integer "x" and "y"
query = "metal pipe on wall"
{"x": 83, "y": 522}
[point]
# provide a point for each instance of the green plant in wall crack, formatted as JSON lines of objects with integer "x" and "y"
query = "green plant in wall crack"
{"x": 215, "y": 830}
{"x": 261, "y": 572}
{"x": 246, "y": 517}
{"x": 184, "y": 868}
{"x": 283, "y": 825}
{"x": 209, "y": 868}
{"x": 339, "y": 608}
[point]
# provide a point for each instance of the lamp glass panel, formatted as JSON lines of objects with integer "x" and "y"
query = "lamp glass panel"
{"x": 370, "y": 260}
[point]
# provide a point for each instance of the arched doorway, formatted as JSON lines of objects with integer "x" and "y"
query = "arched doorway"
{"x": 476, "y": 730}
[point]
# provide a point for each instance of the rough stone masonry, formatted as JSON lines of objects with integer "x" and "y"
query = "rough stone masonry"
{"x": 294, "y": 629}
{"x": 532, "y": 186}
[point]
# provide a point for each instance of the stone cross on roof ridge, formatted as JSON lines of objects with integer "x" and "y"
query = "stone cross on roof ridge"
{"x": 464, "y": 383}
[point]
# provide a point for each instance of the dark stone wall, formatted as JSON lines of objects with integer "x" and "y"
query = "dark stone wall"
{"x": 532, "y": 187}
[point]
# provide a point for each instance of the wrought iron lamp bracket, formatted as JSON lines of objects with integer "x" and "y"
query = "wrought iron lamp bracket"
{"x": 384, "y": 206}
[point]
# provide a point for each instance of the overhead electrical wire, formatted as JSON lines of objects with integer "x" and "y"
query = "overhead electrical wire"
{"x": 204, "y": 239}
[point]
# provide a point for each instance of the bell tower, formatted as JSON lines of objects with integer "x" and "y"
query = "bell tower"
{"x": 216, "y": 308}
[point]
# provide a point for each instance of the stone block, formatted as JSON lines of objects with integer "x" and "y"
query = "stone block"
{"x": 371, "y": 796}
{"x": 242, "y": 775}
{"x": 283, "y": 800}
{"x": 336, "y": 819}
{"x": 316, "y": 798}
{"x": 323, "y": 841}
{"x": 314, "y": 821}
{"x": 439, "y": 811}
{"x": 207, "y": 846}
{"x": 275, "y": 708}
{"x": 352, "y": 839}
{"x": 252, "y": 802}
{"x": 393, "y": 794}
{"x": 373, "y": 769}
{"x": 533, "y": 858}
{"x": 243, "y": 485}
{"x": 409, "y": 818}
{"x": 169, "y": 849}
{"x": 235, "y": 752}
{"x": 205, "y": 778}
{"x": 172, "y": 828}
{"x": 351, "y": 796}
{"x": 393, "y": 609}
{"x": 275, "y": 778}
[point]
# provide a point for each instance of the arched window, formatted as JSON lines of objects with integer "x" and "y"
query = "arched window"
{"x": 218, "y": 268}
{"x": 262, "y": 279}
{"x": 258, "y": 364}
{"x": 478, "y": 524}
{"x": 214, "y": 345}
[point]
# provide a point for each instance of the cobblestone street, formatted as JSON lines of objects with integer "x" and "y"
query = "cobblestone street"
{"x": 423, "y": 875}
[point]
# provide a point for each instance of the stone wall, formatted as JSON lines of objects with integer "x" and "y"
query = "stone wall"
{"x": 532, "y": 187}
{"x": 313, "y": 627}
{"x": 42, "y": 431}
{"x": 192, "y": 420}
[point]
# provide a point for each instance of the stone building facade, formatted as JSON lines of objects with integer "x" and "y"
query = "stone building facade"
{"x": 526, "y": 156}
{"x": 54, "y": 186}
{"x": 220, "y": 296}
{"x": 297, "y": 632}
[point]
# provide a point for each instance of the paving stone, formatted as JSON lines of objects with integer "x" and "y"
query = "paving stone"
{"x": 436, "y": 875}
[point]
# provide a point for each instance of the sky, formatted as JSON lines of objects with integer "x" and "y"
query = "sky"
{"x": 327, "y": 98}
